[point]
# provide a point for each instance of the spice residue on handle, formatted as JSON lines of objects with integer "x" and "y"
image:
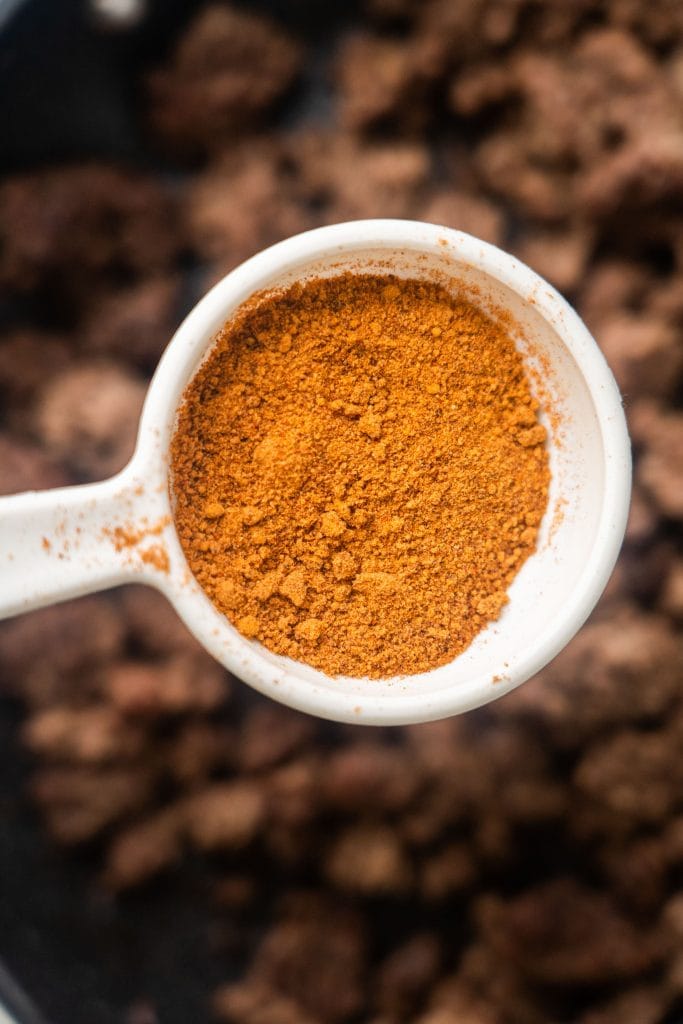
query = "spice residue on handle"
{"x": 129, "y": 536}
{"x": 359, "y": 473}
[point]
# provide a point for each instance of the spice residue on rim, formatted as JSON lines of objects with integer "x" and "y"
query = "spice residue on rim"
{"x": 359, "y": 473}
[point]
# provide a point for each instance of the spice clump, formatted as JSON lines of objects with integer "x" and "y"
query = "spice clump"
{"x": 359, "y": 473}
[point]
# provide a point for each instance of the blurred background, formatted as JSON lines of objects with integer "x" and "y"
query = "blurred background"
{"x": 174, "y": 847}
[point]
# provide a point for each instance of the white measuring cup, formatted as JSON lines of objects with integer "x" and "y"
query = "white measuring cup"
{"x": 62, "y": 543}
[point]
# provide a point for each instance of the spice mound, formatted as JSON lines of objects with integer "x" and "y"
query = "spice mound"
{"x": 359, "y": 473}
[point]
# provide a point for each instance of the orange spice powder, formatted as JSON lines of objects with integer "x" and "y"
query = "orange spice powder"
{"x": 359, "y": 473}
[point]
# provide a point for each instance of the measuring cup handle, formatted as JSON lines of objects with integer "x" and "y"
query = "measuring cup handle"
{"x": 62, "y": 543}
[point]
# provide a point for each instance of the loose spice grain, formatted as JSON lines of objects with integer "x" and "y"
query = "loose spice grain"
{"x": 359, "y": 473}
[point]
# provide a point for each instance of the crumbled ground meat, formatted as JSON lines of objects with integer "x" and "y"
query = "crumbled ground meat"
{"x": 183, "y": 683}
{"x": 135, "y": 323}
{"x": 64, "y": 231}
{"x": 27, "y": 359}
{"x": 25, "y": 466}
{"x": 561, "y": 933}
{"x": 243, "y": 202}
{"x": 227, "y": 71}
{"x": 144, "y": 849}
{"x": 227, "y": 815}
{"x": 518, "y": 865}
{"x": 88, "y": 417}
{"x": 315, "y": 955}
{"x": 466, "y": 212}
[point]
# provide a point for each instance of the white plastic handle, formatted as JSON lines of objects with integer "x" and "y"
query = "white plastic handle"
{"x": 62, "y": 543}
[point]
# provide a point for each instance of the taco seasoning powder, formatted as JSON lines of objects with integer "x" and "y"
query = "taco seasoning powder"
{"x": 359, "y": 473}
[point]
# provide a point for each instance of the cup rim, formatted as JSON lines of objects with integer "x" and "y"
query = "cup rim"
{"x": 244, "y": 657}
